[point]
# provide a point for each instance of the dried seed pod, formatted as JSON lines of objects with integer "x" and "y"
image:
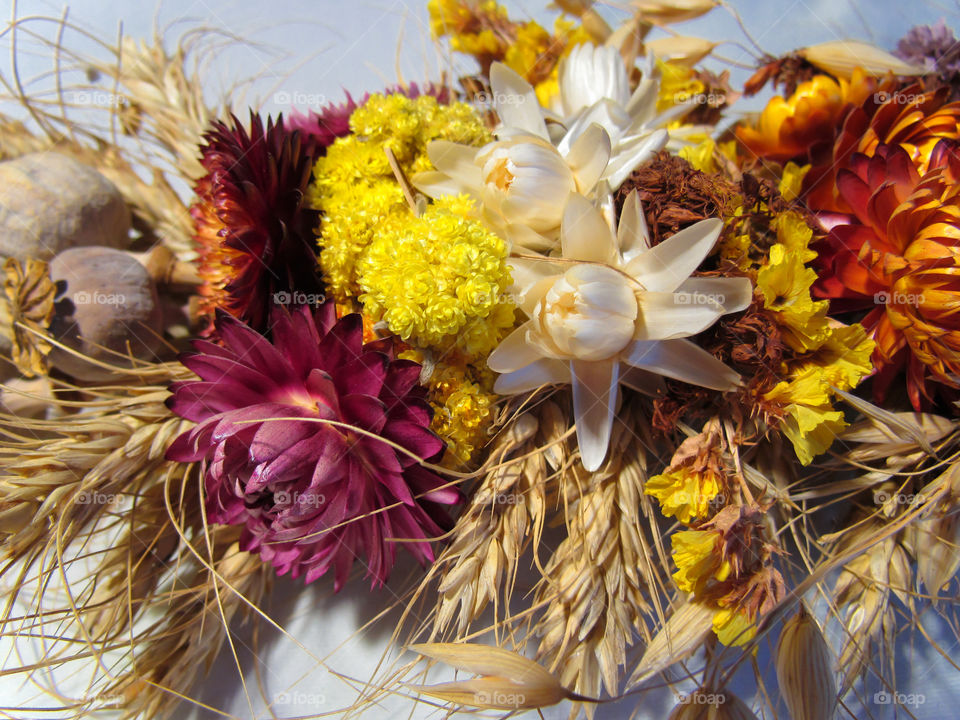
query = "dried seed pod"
{"x": 50, "y": 202}
{"x": 672, "y": 11}
{"x": 109, "y": 306}
{"x": 805, "y": 669}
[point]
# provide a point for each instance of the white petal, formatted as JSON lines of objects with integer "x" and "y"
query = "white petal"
{"x": 457, "y": 161}
{"x": 531, "y": 279}
{"x": 642, "y": 381}
{"x": 732, "y": 294}
{"x": 605, "y": 113}
{"x": 643, "y": 102}
{"x": 434, "y": 184}
{"x": 633, "y": 237}
{"x": 591, "y": 73}
{"x": 594, "y": 404}
{"x": 513, "y": 352}
{"x": 681, "y": 360}
{"x": 627, "y": 156}
{"x": 516, "y": 101}
{"x": 584, "y": 234}
{"x": 588, "y": 157}
{"x": 524, "y": 238}
{"x": 663, "y": 268}
{"x": 668, "y": 316}
{"x": 543, "y": 372}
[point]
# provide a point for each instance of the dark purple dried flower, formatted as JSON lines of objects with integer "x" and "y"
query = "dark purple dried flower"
{"x": 313, "y": 495}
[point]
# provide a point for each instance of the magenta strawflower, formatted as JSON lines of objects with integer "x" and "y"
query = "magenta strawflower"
{"x": 313, "y": 495}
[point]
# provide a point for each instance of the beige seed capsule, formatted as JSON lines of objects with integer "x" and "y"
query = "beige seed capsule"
{"x": 668, "y": 11}
{"x": 841, "y": 57}
{"x": 805, "y": 669}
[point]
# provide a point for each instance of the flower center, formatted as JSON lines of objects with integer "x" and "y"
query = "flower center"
{"x": 501, "y": 175}
{"x": 590, "y": 313}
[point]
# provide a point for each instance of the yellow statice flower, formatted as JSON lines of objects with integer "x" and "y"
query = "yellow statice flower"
{"x": 733, "y": 627}
{"x": 809, "y": 420}
{"x": 439, "y": 280}
{"x": 355, "y": 187}
{"x": 453, "y": 17}
{"x": 463, "y": 402}
{"x": 794, "y": 234}
{"x": 791, "y": 180}
{"x": 684, "y": 493}
{"x": 844, "y": 357}
{"x": 678, "y": 84}
{"x": 785, "y": 284}
{"x": 696, "y": 554}
{"x": 529, "y": 49}
{"x": 700, "y": 155}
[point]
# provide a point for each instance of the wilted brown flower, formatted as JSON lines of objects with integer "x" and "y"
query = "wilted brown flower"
{"x": 25, "y": 313}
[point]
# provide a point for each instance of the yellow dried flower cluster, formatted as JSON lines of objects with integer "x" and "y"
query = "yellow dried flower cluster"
{"x": 684, "y": 492}
{"x": 463, "y": 400}
{"x": 439, "y": 281}
{"x": 828, "y": 353}
{"x": 698, "y": 559}
{"x": 678, "y": 84}
{"x": 355, "y": 187}
{"x": 485, "y": 31}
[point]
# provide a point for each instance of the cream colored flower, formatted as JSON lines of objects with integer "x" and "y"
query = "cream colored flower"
{"x": 521, "y": 181}
{"x": 612, "y": 309}
{"x": 595, "y": 90}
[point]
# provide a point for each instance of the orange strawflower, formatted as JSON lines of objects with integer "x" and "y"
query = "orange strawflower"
{"x": 902, "y": 262}
{"x": 790, "y": 127}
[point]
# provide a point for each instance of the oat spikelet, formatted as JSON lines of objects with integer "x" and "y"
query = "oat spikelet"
{"x": 682, "y": 635}
{"x": 599, "y": 582}
{"x": 805, "y": 669}
{"x": 505, "y": 515}
{"x": 166, "y": 100}
{"x": 508, "y": 681}
{"x": 862, "y": 592}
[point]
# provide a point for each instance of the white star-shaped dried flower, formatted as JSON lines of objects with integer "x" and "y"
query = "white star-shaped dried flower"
{"x": 611, "y": 307}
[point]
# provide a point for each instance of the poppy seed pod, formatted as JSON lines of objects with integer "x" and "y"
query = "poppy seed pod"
{"x": 50, "y": 202}
{"x": 109, "y": 305}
